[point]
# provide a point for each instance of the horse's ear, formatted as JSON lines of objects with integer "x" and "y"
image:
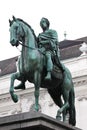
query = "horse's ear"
{"x": 10, "y": 22}
{"x": 14, "y": 18}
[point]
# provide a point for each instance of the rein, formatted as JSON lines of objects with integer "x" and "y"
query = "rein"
{"x": 31, "y": 48}
{"x": 27, "y": 46}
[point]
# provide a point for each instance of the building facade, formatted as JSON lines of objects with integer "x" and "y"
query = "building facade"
{"x": 71, "y": 57}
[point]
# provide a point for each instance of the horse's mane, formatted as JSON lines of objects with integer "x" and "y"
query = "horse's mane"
{"x": 28, "y": 26}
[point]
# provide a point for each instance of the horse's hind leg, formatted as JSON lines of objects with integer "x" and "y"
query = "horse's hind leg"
{"x": 13, "y": 77}
{"x": 60, "y": 104}
{"x": 64, "y": 107}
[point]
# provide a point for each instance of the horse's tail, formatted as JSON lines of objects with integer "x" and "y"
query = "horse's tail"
{"x": 72, "y": 110}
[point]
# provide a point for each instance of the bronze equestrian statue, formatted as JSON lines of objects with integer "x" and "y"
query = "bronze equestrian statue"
{"x": 34, "y": 66}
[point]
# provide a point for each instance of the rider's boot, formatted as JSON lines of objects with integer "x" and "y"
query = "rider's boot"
{"x": 48, "y": 76}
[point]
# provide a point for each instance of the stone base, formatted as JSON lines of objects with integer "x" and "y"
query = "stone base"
{"x": 32, "y": 121}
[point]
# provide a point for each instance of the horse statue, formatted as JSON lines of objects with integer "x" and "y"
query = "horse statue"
{"x": 32, "y": 68}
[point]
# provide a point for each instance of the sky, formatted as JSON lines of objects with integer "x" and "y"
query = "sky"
{"x": 64, "y": 15}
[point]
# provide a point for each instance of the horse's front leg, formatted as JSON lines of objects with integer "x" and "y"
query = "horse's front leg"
{"x": 13, "y": 96}
{"x": 37, "y": 81}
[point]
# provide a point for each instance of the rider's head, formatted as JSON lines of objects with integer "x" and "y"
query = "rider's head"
{"x": 44, "y": 23}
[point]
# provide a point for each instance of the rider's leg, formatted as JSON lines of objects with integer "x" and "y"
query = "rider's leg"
{"x": 49, "y": 65}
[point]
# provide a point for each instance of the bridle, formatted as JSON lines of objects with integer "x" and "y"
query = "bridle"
{"x": 21, "y": 43}
{"x": 31, "y": 48}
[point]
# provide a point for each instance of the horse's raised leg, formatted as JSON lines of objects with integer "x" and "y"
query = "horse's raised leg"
{"x": 13, "y": 77}
{"x": 37, "y": 81}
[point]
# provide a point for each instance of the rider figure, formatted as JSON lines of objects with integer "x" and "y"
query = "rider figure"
{"x": 48, "y": 42}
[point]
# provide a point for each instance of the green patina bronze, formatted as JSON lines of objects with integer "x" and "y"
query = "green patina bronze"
{"x": 48, "y": 44}
{"x": 39, "y": 63}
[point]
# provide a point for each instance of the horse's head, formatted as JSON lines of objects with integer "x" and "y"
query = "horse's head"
{"x": 16, "y": 32}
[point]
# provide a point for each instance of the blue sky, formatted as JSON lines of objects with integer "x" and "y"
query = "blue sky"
{"x": 64, "y": 15}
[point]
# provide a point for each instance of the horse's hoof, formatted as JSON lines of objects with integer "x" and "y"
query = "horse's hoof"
{"x": 58, "y": 118}
{"x": 14, "y": 98}
{"x": 36, "y": 108}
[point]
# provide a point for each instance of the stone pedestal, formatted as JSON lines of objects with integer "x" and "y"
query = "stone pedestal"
{"x": 32, "y": 121}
